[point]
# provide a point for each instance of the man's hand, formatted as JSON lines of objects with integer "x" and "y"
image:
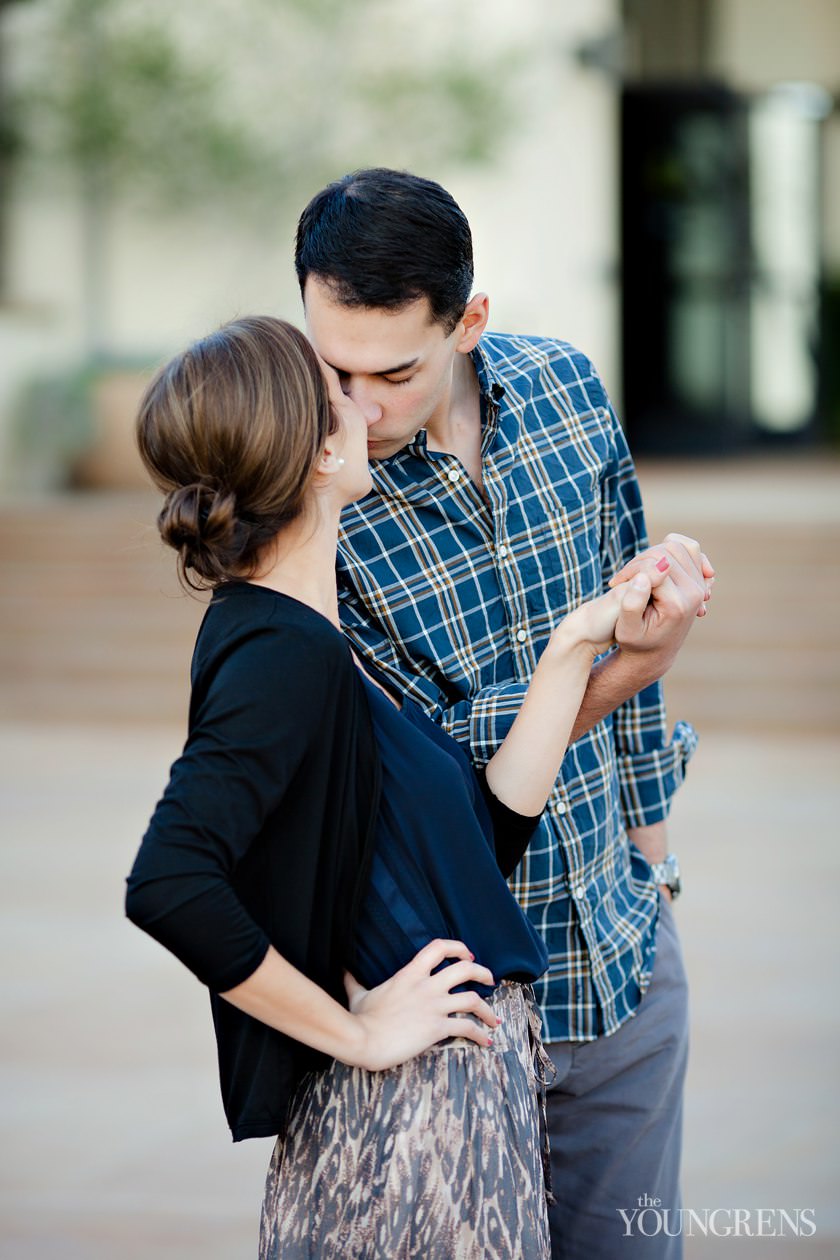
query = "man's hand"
{"x": 683, "y": 552}
{"x": 649, "y": 633}
{"x": 658, "y": 631}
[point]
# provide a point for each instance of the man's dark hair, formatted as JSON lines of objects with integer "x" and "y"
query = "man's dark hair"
{"x": 382, "y": 238}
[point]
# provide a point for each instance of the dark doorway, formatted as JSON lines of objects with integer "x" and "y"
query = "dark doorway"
{"x": 720, "y": 268}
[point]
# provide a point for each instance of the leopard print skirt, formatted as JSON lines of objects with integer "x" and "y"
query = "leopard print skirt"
{"x": 438, "y": 1159}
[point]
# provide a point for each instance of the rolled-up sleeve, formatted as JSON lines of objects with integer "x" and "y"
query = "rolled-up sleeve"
{"x": 650, "y": 766}
{"x": 479, "y": 723}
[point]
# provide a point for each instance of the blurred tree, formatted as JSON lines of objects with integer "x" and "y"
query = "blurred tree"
{"x": 10, "y": 146}
{"x": 208, "y": 104}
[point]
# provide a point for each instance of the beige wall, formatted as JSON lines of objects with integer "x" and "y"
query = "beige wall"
{"x": 546, "y": 222}
{"x": 758, "y": 43}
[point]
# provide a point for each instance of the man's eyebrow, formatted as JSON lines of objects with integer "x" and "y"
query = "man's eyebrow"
{"x": 391, "y": 371}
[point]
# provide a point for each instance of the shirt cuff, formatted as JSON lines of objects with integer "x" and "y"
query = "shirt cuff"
{"x": 648, "y": 780}
{"x": 492, "y": 714}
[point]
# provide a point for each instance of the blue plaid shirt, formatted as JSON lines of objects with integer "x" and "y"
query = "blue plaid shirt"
{"x": 454, "y": 595}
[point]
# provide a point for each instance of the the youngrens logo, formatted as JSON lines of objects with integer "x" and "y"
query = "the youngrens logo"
{"x": 650, "y": 1218}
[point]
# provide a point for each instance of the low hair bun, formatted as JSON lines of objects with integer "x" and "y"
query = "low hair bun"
{"x": 200, "y": 522}
{"x": 231, "y": 431}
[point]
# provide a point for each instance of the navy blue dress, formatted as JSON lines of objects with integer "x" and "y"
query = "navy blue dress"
{"x": 435, "y": 871}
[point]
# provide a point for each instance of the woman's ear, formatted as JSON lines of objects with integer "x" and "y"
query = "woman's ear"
{"x": 473, "y": 322}
{"x": 329, "y": 463}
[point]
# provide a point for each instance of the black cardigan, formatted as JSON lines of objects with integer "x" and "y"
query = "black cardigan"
{"x": 265, "y": 831}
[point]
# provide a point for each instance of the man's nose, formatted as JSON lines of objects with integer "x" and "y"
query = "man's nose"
{"x": 364, "y": 399}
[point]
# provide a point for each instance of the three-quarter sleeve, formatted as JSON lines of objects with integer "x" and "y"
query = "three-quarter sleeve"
{"x": 511, "y": 831}
{"x": 253, "y": 718}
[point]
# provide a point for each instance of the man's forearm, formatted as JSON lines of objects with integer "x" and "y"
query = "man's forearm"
{"x": 613, "y": 680}
{"x": 652, "y": 843}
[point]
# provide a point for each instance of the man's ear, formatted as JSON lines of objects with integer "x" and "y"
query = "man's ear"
{"x": 473, "y": 322}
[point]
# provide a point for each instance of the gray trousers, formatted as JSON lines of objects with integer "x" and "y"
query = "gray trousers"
{"x": 615, "y": 1123}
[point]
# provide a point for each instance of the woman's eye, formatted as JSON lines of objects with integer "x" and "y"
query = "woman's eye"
{"x": 403, "y": 381}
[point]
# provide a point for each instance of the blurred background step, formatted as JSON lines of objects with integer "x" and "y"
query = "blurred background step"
{"x": 94, "y": 625}
{"x": 766, "y": 658}
{"x": 96, "y": 628}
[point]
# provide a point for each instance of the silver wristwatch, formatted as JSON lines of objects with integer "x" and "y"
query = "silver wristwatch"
{"x": 668, "y": 873}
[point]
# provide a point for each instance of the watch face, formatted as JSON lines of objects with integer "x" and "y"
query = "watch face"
{"x": 668, "y": 873}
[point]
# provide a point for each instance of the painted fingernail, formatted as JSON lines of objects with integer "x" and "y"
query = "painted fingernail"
{"x": 472, "y": 956}
{"x": 662, "y": 564}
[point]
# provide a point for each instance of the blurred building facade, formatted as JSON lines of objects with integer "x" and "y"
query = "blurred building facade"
{"x": 614, "y": 103}
{"x": 729, "y": 248}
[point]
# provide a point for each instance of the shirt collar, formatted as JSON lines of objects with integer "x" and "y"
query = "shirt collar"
{"x": 417, "y": 446}
{"x": 490, "y": 383}
{"x": 493, "y": 390}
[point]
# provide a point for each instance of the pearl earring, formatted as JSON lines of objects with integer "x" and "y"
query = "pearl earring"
{"x": 340, "y": 461}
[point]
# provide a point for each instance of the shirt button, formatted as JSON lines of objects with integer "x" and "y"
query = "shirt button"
{"x": 521, "y": 636}
{"x": 454, "y": 475}
{"x": 501, "y": 552}
{"x": 560, "y": 808}
{"x": 580, "y": 891}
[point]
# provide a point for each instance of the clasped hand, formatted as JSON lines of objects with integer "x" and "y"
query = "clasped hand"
{"x": 651, "y": 605}
{"x": 681, "y": 593}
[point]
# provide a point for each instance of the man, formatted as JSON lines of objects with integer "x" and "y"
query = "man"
{"x": 503, "y": 496}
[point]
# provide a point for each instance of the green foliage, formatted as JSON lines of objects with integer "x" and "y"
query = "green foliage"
{"x": 118, "y": 99}
{"x": 52, "y": 425}
{"x": 257, "y": 102}
{"x": 451, "y": 101}
{"x": 53, "y": 420}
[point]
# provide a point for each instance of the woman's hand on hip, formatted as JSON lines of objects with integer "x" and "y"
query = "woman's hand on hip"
{"x": 415, "y": 1009}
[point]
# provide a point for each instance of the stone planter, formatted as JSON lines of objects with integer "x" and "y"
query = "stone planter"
{"x": 110, "y": 460}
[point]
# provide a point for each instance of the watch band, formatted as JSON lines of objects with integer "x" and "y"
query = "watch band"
{"x": 668, "y": 873}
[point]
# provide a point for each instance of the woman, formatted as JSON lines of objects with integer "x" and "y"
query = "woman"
{"x": 317, "y": 826}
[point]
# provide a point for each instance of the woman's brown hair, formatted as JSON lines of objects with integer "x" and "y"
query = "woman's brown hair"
{"x": 231, "y": 430}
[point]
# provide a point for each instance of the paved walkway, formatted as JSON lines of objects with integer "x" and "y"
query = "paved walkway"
{"x": 114, "y": 1143}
